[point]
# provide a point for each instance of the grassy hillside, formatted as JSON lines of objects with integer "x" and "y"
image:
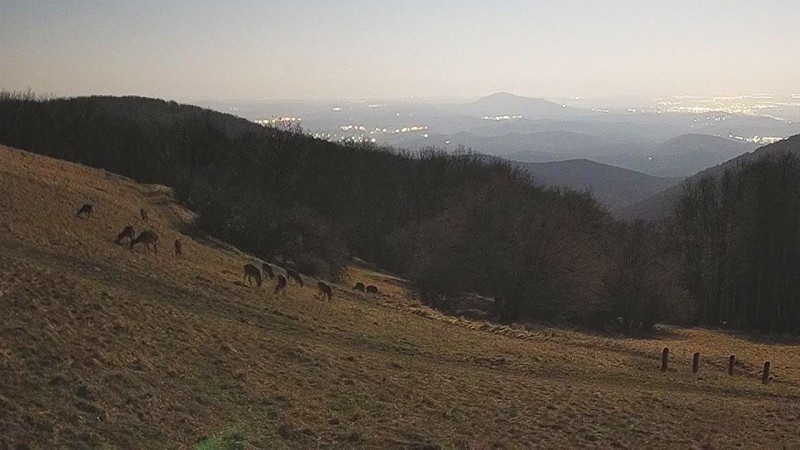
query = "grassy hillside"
{"x": 101, "y": 346}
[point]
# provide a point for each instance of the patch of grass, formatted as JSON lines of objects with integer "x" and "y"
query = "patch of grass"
{"x": 226, "y": 440}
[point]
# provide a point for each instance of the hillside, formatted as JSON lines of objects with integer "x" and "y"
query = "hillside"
{"x": 614, "y": 186}
{"x": 659, "y": 205}
{"x": 101, "y": 346}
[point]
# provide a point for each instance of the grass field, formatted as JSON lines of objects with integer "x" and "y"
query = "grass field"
{"x": 101, "y": 346}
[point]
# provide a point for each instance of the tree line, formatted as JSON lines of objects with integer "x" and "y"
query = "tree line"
{"x": 738, "y": 236}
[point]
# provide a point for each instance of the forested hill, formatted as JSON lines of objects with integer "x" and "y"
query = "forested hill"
{"x": 452, "y": 223}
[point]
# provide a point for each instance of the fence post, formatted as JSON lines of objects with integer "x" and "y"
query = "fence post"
{"x": 664, "y": 358}
{"x": 731, "y": 364}
{"x": 765, "y": 377}
{"x": 696, "y": 362}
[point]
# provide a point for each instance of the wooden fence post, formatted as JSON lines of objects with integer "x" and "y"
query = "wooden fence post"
{"x": 664, "y": 358}
{"x": 765, "y": 377}
{"x": 696, "y": 362}
{"x": 731, "y": 363}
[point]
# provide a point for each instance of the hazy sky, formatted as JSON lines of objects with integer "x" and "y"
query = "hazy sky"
{"x": 246, "y": 49}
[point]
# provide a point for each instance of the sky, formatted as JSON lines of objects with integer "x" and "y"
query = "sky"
{"x": 326, "y": 49}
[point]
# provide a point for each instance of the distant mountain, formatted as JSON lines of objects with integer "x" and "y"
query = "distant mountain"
{"x": 503, "y": 103}
{"x": 659, "y": 205}
{"x": 681, "y": 156}
{"x": 614, "y": 186}
{"x": 543, "y": 146}
{"x": 690, "y": 153}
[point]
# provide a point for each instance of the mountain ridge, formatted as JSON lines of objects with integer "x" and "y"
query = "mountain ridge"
{"x": 614, "y": 186}
{"x": 504, "y": 103}
{"x": 657, "y": 206}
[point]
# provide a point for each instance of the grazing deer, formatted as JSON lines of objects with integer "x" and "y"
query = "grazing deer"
{"x": 147, "y": 238}
{"x": 324, "y": 289}
{"x": 86, "y": 210}
{"x": 359, "y": 287}
{"x": 280, "y": 285}
{"x": 126, "y": 233}
{"x": 178, "y": 248}
{"x": 294, "y": 275}
{"x": 251, "y": 272}
{"x": 267, "y": 269}
{"x": 143, "y": 212}
{"x": 372, "y": 290}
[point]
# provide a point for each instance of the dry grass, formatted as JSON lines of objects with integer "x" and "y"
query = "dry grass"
{"x": 102, "y": 346}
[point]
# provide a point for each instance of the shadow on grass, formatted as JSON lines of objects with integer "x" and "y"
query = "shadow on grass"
{"x": 757, "y": 338}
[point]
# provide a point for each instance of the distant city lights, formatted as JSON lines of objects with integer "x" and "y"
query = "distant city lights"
{"x": 498, "y": 118}
{"x": 278, "y": 120}
{"x": 761, "y": 140}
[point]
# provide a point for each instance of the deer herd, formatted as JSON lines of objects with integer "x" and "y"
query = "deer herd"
{"x": 252, "y": 274}
{"x": 255, "y": 276}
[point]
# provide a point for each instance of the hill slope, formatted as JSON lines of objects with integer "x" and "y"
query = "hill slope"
{"x": 104, "y": 346}
{"x": 614, "y": 186}
{"x": 657, "y": 206}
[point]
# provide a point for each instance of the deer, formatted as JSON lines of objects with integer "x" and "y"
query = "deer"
{"x": 143, "y": 213}
{"x": 267, "y": 269}
{"x": 294, "y": 275}
{"x": 127, "y": 232}
{"x": 178, "y": 248}
{"x": 147, "y": 238}
{"x": 251, "y": 272}
{"x": 372, "y": 290}
{"x": 85, "y": 210}
{"x": 359, "y": 287}
{"x": 324, "y": 289}
{"x": 280, "y": 285}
